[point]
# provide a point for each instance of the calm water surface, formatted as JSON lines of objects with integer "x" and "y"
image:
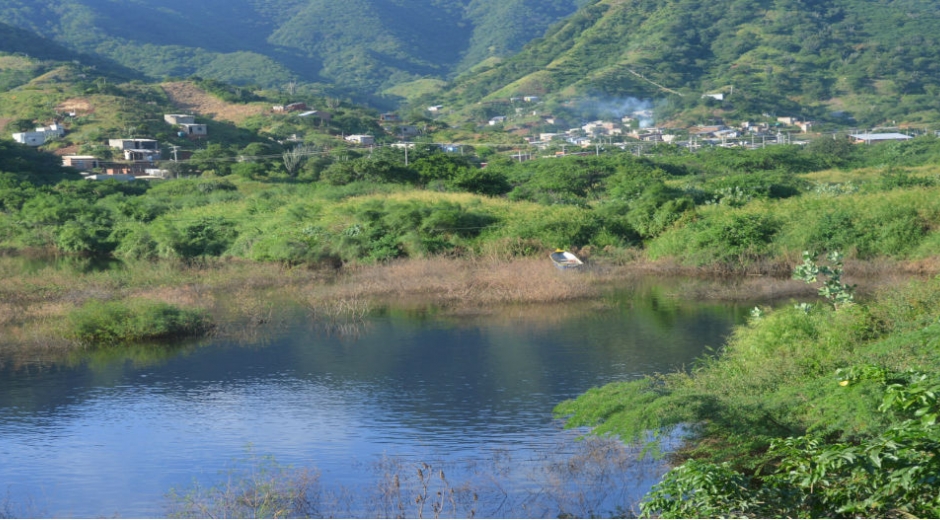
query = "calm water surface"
{"x": 110, "y": 435}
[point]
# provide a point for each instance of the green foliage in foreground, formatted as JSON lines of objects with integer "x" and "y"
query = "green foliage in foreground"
{"x": 731, "y": 207}
{"x": 896, "y": 473}
{"x": 99, "y": 322}
{"x": 809, "y": 411}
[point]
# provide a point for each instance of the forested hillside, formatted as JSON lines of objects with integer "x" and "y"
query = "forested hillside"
{"x": 361, "y": 46}
{"x": 853, "y": 61}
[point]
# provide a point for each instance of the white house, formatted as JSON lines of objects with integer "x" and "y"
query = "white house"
{"x": 179, "y": 119}
{"x": 41, "y": 135}
{"x": 361, "y": 139}
{"x": 877, "y": 138}
{"x": 194, "y": 129}
{"x": 30, "y": 138}
{"x": 133, "y": 144}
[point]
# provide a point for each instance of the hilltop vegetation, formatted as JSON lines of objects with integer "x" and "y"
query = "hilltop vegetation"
{"x": 360, "y": 47}
{"x": 842, "y": 61}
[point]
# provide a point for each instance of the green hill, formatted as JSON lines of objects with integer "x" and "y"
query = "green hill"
{"x": 361, "y": 46}
{"x": 846, "y": 60}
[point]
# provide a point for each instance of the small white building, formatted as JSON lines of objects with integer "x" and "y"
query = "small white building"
{"x": 194, "y": 129}
{"x": 361, "y": 139}
{"x": 133, "y": 144}
{"x": 142, "y": 155}
{"x": 878, "y": 138}
{"x": 40, "y": 135}
{"x": 179, "y": 119}
{"x": 30, "y": 138}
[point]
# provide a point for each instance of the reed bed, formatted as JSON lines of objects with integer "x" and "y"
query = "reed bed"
{"x": 446, "y": 282}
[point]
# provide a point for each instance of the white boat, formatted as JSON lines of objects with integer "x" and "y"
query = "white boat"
{"x": 565, "y": 260}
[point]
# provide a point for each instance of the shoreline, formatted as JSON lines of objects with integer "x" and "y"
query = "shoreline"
{"x": 35, "y": 302}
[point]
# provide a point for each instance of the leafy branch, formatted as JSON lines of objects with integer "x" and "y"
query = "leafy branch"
{"x": 839, "y": 294}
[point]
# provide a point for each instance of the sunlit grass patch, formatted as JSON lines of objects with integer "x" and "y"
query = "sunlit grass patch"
{"x": 97, "y": 322}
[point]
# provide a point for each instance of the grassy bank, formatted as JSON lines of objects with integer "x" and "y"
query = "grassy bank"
{"x": 806, "y": 412}
{"x": 53, "y": 304}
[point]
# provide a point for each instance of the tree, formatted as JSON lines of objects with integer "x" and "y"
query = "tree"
{"x": 214, "y": 157}
{"x": 295, "y": 157}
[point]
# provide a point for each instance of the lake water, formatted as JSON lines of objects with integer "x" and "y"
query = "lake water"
{"x": 110, "y": 434}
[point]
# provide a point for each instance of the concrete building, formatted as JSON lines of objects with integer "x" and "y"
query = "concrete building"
{"x": 361, "y": 139}
{"x": 81, "y": 162}
{"x": 179, "y": 119}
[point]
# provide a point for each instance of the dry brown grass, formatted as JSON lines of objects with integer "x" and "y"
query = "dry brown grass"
{"x": 187, "y": 97}
{"x": 80, "y": 106}
{"x": 244, "y": 295}
{"x": 459, "y": 282}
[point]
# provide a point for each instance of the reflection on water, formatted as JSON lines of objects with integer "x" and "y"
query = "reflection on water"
{"x": 111, "y": 433}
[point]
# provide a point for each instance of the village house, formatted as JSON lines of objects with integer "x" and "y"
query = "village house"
{"x": 134, "y": 144}
{"x": 187, "y": 124}
{"x": 360, "y": 139}
{"x": 652, "y": 137}
{"x": 30, "y": 138}
{"x": 497, "y": 120}
{"x": 878, "y": 138}
{"x": 705, "y": 131}
{"x": 435, "y": 108}
{"x": 600, "y": 128}
{"x": 137, "y": 149}
{"x": 754, "y": 128}
{"x": 407, "y": 131}
{"x": 123, "y": 177}
{"x": 81, "y": 162}
{"x": 41, "y": 135}
{"x": 389, "y": 117}
{"x": 193, "y": 130}
{"x": 292, "y": 107}
{"x": 179, "y": 119}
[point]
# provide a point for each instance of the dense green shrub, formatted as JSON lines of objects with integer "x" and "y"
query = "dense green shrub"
{"x": 890, "y": 231}
{"x": 834, "y": 230}
{"x": 203, "y": 236}
{"x": 481, "y": 181}
{"x": 97, "y": 322}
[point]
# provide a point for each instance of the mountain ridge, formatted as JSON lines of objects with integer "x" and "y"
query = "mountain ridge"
{"x": 361, "y": 46}
{"x": 871, "y": 62}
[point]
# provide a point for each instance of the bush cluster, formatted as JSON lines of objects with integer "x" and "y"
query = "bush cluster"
{"x": 716, "y": 206}
{"x": 101, "y": 323}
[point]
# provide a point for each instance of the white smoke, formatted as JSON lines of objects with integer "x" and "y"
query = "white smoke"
{"x": 618, "y": 108}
